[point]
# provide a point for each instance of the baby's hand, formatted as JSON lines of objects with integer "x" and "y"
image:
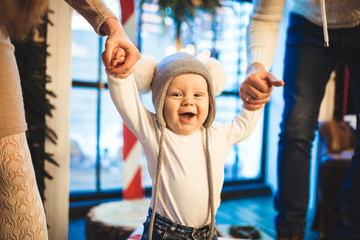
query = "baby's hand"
{"x": 118, "y": 57}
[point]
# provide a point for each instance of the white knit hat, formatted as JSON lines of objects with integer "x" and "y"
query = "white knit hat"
{"x": 157, "y": 77}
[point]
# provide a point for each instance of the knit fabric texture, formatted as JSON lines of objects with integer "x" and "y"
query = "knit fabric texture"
{"x": 22, "y": 212}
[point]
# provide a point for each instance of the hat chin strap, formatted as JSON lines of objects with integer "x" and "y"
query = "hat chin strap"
{"x": 211, "y": 186}
{"x": 157, "y": 180}
{"x": 210, "y": 180}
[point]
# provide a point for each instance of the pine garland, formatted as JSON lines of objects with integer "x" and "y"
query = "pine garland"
{"x": 186, "y": 9}
{"x": 31, "y": 59}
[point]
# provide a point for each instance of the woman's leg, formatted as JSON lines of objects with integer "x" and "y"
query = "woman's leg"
{"x": 22, "y": 213}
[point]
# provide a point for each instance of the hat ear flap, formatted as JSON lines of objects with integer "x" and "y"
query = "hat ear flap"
{"x": 144, "y": 72}
{"x": 217, "y": 73}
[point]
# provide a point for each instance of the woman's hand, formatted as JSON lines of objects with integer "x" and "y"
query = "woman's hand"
{"x": 122, "y": 64}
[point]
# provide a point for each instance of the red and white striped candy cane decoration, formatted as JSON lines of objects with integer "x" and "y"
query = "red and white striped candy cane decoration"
{"x": 132, "y": 149}
{"x": 128, "y": 19}
{"x": 132, "y": 152}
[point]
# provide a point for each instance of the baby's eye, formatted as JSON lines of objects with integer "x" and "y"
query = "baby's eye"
{"x": 175, "y": 94}
{"x": 198, "y": 95}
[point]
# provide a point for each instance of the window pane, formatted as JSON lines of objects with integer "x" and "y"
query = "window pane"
{"x": 225, "y": 36}
{"x": 231, "y": 24}
{"x": 84, "y": 51}
{"x": 111, "y": 143}
{"x": 83, "y": 139}
{"x": 244, "y": 159}
{"x": 155, "y": 34}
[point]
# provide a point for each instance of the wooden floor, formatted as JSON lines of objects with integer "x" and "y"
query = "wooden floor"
{"x": 256, "y": 211}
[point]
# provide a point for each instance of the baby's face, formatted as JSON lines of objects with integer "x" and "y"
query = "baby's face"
{"x": 186, "y": 105}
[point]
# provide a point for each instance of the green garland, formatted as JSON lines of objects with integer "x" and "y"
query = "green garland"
{"x": 184, "y": 10}
{"x": 31, "y": 59}
{"x": 181, "y": 10}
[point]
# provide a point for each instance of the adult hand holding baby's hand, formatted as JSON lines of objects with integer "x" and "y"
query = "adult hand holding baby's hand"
{"x": 255, "y": 91}
{"x": 117, "y": 39}
{"x": 117, "y": 59}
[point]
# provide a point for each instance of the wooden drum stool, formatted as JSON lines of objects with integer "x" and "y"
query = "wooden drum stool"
{"x": 116, "y": 220}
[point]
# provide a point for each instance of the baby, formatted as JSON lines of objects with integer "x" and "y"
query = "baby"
{"x": 184, "y": 147}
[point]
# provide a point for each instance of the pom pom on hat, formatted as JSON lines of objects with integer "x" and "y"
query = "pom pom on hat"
{"x": 217, "y": 73}
{"x": 145, "y": 68}
{"x": 144, "y": 72}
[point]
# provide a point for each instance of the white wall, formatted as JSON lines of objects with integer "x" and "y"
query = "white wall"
{"x": 59, "y": 69}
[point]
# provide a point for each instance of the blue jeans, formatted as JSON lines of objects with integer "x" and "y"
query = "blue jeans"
{"x": 308, "y": 65}
{"x": 165, "y": 229}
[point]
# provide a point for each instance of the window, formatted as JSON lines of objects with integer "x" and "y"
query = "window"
{"x": 96, "y": 127}
{"x": 95, "y": 130}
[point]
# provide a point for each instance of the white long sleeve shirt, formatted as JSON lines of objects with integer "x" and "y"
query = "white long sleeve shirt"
{"x": 183, "y": 190}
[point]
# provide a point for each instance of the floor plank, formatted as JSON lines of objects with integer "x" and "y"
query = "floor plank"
{"x": 257, "y": 212}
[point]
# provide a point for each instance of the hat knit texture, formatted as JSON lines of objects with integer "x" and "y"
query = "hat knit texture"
{"x": 171, "y": 67}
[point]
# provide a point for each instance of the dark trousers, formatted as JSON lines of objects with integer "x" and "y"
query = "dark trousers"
{"x": 308, "y": 65}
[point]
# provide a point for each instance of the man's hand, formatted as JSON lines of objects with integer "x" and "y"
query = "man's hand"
{"x": 255, "y": 91}
{"x": 122, "y": 64}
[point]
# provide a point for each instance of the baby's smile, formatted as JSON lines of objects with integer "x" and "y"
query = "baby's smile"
{"x": 187, "y": 116}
